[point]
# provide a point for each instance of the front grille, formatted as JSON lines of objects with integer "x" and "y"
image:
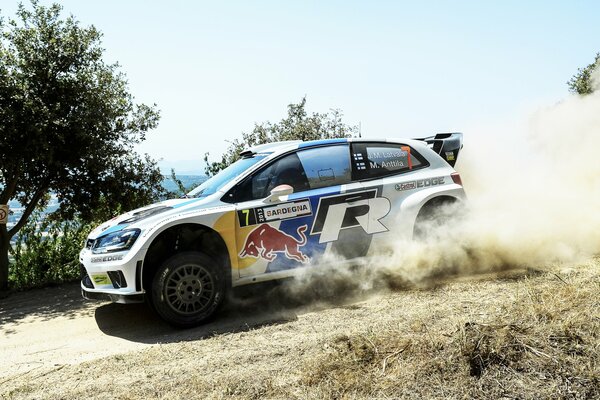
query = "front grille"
{"x": 118, "y": 279}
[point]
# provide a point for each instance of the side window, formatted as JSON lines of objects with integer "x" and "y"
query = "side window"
{"x": 326, "y": 166}
{"x": 304, "y": 170}
{"x": 287, "y": 170}
{"x": 374, "y": 160}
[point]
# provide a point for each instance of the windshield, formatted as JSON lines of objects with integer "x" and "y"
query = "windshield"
{"x": 215, "y": 183}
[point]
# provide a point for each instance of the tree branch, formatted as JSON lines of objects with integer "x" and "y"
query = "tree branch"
{"x": 28, "y": 210}
{"x": 8, "y": 191}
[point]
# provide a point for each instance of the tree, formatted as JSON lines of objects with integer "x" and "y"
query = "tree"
{"x": 583, "y": 81}
{"x": 297, "y": 126}
{"x": 67, "y": 123}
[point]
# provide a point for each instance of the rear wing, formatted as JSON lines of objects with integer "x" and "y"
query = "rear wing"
{"x": 447, "y": 145}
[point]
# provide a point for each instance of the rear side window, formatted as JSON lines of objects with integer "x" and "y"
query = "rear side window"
{"x": 375, "y": 160}
{"x": 326, "y": 166}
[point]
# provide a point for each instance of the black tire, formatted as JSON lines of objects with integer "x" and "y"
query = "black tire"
{"x": 188, "y": 289}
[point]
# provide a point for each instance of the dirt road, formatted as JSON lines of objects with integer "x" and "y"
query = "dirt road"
{"x": 55, "y": 345}
{"x": 41, "y": 329}
{"x": 47, "y": 328}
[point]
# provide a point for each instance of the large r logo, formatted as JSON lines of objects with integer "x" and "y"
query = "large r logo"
{"x": 350, "y": 210}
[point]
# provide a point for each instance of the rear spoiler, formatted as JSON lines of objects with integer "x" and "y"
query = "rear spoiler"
{"x": 447, "y": 145}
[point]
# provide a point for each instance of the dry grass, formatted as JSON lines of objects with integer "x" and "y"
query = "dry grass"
{"x": 526, "y": 336}
{"x": 543, "y": 341}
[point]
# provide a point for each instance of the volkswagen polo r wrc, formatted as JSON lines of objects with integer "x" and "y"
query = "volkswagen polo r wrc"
{"x": 281, "y": 208}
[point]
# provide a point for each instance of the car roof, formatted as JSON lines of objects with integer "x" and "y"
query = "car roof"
{"x": 278, "y": 147}
{"x": 271, "y": 147}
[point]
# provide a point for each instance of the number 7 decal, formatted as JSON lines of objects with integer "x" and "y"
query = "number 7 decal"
{"x": 247, "y": 214}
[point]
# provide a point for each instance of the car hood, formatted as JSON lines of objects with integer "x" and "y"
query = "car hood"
{"x": 148, "y": 215}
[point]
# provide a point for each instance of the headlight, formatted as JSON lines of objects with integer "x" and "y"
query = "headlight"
{"x": 117, "y": 241}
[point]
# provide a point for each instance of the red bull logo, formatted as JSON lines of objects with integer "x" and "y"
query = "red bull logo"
{"x": 266, "y": 241}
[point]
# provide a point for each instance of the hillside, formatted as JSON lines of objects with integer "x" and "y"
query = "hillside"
{"x": 519, "y": 334}
{"x": 188, "y": 181}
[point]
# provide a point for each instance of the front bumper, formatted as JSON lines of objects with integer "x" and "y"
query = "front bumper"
{"x": 116, "y": 277}
{"x": 116, "y": 298}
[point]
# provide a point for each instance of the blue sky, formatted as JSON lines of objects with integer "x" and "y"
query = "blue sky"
{"x": 398, "y": 68}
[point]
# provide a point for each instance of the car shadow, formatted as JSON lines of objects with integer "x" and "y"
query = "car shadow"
{"x": 244, "y": 310}
{"x": 254, "y": 306}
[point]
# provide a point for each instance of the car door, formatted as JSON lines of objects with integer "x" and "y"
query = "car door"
{"x": 276, "y": 236}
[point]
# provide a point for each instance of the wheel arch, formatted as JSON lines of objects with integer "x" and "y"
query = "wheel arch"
{"x": 182, "y": 238}
{"x": 431, "y": 209}
{"x": 435, "y": 202}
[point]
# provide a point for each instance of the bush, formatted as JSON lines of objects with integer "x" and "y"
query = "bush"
{"x": 46, "y": 252}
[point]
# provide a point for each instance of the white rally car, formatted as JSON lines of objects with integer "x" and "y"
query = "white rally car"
{"x": 281, "y": 208}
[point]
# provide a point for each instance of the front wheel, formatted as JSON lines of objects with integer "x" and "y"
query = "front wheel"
{"x": 188, "y": 289}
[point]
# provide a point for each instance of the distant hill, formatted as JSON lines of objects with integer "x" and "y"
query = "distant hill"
{"x": 183, "y": 167}
{"x": 189, "y": 181}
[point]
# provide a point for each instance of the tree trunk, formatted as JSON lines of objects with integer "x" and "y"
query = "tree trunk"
{"x": 4, "y": 245}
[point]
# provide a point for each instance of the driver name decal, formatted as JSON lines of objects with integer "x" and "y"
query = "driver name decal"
{"x": 279, "y": 212}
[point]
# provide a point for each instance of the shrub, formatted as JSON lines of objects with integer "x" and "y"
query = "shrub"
{"x": 46, "y": 252}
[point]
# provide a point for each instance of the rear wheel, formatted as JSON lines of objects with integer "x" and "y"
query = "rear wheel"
{"x": 187, "y": 289}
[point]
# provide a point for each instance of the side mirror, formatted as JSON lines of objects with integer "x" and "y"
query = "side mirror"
{"x": 278, "y": 192}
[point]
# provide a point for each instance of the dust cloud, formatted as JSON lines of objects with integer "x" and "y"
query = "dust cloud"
{"x": 595, "y": 78}
{"x": 534, "y": 202}
{"x": 534, "y": 198}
